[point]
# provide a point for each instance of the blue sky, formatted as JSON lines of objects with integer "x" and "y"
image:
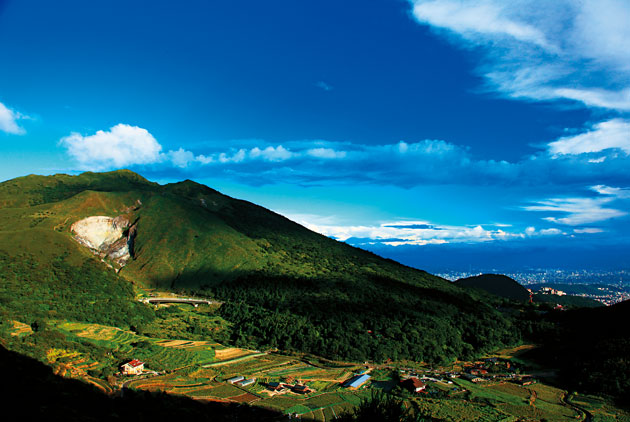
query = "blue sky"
{"x": 413, "y": 128}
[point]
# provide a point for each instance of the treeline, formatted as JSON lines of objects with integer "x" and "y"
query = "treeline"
{"x": 376, "y": 320}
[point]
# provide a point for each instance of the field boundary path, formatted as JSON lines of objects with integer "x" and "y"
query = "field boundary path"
{"x": 588, "y": 417}
{"x": 225, "y": 362}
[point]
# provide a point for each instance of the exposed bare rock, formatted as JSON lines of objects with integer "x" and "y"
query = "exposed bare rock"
{"x": 105, "y": 236}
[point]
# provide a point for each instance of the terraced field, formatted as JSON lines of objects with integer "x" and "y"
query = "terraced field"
{"x": 20, "y": 329}
{"x": 159, "y": 354}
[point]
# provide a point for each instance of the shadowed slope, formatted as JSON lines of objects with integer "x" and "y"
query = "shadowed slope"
{"x": 497, "y": 284}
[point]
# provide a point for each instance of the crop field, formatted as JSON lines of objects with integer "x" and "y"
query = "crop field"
{"x": 157, "y": 353}
{"x": 325, "y": 402}
{"x": 461, "y": 411}
{"x": 513, "y": 352}
{"x": 230, "y": 353}
{"x": 536, "y": 402}
{"x": 20, "y": 329}
{"x": 200, "y": 369}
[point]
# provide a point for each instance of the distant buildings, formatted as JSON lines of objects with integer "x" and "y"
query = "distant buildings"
{"x": 236, "y": 379}
{"x": 551, "y": 291}
{"x": 133, "y": 367}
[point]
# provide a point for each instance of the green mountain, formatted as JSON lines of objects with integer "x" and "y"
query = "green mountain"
{"x": 496, "y": 284}
{"x": 72, "y": 247}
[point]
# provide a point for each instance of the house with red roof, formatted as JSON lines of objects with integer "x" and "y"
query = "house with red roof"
{"x": 413, "y": 384}
{"x": 133, "y": 367}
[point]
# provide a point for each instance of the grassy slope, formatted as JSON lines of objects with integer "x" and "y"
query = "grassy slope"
{"x": 183, "y": 242}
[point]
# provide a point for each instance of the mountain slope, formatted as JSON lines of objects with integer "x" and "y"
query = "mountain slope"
{"x": 497, "y": 284}
{"x": 284, "y": 286}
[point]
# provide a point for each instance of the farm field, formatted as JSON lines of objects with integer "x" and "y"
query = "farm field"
{"x": 326, "y": 400}
{"x": 159, "y": 354}
{"x": 200, "y": 370}
{"x": 462, "y": 401}
{"x": 600, "y": 410}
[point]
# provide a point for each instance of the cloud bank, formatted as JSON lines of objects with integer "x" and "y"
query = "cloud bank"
{"x": 416, "y": 233}
{"x": 598, "y": 156}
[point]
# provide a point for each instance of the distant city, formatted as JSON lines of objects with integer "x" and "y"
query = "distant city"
{"x": 606, "y": 286}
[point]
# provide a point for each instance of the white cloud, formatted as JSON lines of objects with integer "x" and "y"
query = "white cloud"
{"x": 619, "y": 100}
{"x": 563, "y": 49}
{"x": 619, "y": 193}
{"x": 400, "y": 233}
{"x": 326, "y": 153}
{"x": 613, "y": 133}
{"x": 531, "y": 232}
{"x": 270, "y": 153}
{"x": 181, "y": 158}
{"x": 589, "y": 230}
{"x": 471, "y": 18}
{"x": 578, "y": 211}
{"x": 122, "y": 145}
{"x": 9, "y": 121}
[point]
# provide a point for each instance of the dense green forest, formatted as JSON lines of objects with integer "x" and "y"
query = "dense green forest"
{"x": 496, "y": 284}
{"x": 386, "y": 319}
{"x": 32, "y": 291}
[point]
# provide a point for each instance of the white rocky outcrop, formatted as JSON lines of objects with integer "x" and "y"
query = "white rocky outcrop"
{"x": 106, "y": 237}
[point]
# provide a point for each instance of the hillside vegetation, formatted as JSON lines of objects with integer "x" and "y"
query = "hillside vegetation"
{"x": 283, "y": 285}
{"x": 496, "y": 284}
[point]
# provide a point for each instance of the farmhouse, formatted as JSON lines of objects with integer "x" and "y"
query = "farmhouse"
{"x": 132, "y": 367}
{"x": 472, "y": 378}
{"x": 413, "y": 384}
{"x": 301, "y": 389}
{"x": 275, "y": 386}
{"x": 236, "y": 379}
{"x": 356, "y": 381}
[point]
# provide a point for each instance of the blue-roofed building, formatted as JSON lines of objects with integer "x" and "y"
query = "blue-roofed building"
{"x": 356, "y": 381}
